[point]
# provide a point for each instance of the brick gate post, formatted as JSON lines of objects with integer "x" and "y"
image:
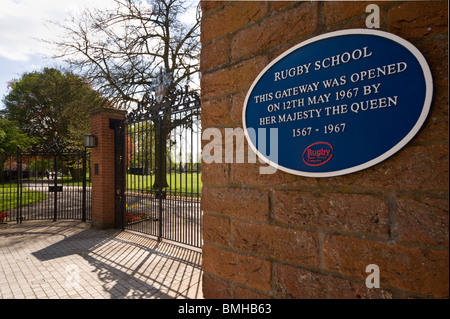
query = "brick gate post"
{"x": 102, "y": 167}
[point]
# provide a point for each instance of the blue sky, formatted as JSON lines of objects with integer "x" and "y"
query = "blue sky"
{"x": 22, "y": 23}
{"x": 13, "y": 69}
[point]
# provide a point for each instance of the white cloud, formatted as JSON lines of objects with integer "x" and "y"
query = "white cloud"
{"x": 23, "y": 22}
{"x": 13, "y": 54}
{"x": 189, "y": 17}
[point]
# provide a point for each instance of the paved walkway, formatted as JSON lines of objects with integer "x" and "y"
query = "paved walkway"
{"x": 71, "y": 260}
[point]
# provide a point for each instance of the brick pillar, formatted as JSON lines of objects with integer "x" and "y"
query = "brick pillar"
{"x": 286, "y": 236}
{"x": 102, "y": 167}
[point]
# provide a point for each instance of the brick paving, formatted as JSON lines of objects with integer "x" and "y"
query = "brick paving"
{"x": 71, "y": 260}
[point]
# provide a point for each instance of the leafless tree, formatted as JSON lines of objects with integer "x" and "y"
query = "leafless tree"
{"x": 122, "y": 50}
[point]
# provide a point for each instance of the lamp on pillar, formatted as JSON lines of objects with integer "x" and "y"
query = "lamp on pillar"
{"x": 90, "y": 141}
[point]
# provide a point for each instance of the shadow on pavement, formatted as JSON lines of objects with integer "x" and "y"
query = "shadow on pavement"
{"x": 114, "y": 264}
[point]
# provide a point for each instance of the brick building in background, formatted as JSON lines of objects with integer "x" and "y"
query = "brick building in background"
{"x": 287, "y": 236}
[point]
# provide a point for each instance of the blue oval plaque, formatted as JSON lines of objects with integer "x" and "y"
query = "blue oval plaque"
{"x": 340, "y": 102}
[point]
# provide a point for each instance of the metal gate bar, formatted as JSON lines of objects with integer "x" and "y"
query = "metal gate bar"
{"x": 45, "y": 186}
{"x": 163, "y": 171}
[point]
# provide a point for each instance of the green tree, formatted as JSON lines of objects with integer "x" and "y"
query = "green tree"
{"x": 11, "y": 137}
{"x": 52, "y": 106}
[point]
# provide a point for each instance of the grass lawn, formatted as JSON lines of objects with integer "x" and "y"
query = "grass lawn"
{"x": 67, "y": 180}
{"x": 183, "y": 184}
{"x": 8, "y": 197}
{"x": 179, "y": 183}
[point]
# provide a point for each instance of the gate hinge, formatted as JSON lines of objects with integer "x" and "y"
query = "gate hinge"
{"x": 112, "y": 123}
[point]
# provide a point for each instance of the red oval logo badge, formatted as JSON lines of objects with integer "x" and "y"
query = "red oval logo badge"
{"x": 318, "y": 154}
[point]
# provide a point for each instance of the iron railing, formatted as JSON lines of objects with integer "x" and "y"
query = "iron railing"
{"x": 37, "y": 185}
{"x": 162, "y": 152}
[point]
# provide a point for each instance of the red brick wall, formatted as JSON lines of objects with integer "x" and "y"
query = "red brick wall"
{"x": 103, "y": 155}
{"x": 286, "y": 236}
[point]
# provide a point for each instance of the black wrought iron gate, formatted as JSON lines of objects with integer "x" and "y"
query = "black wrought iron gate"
{"x": 42, "y": 185}
{"x": 158, "y": 160}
